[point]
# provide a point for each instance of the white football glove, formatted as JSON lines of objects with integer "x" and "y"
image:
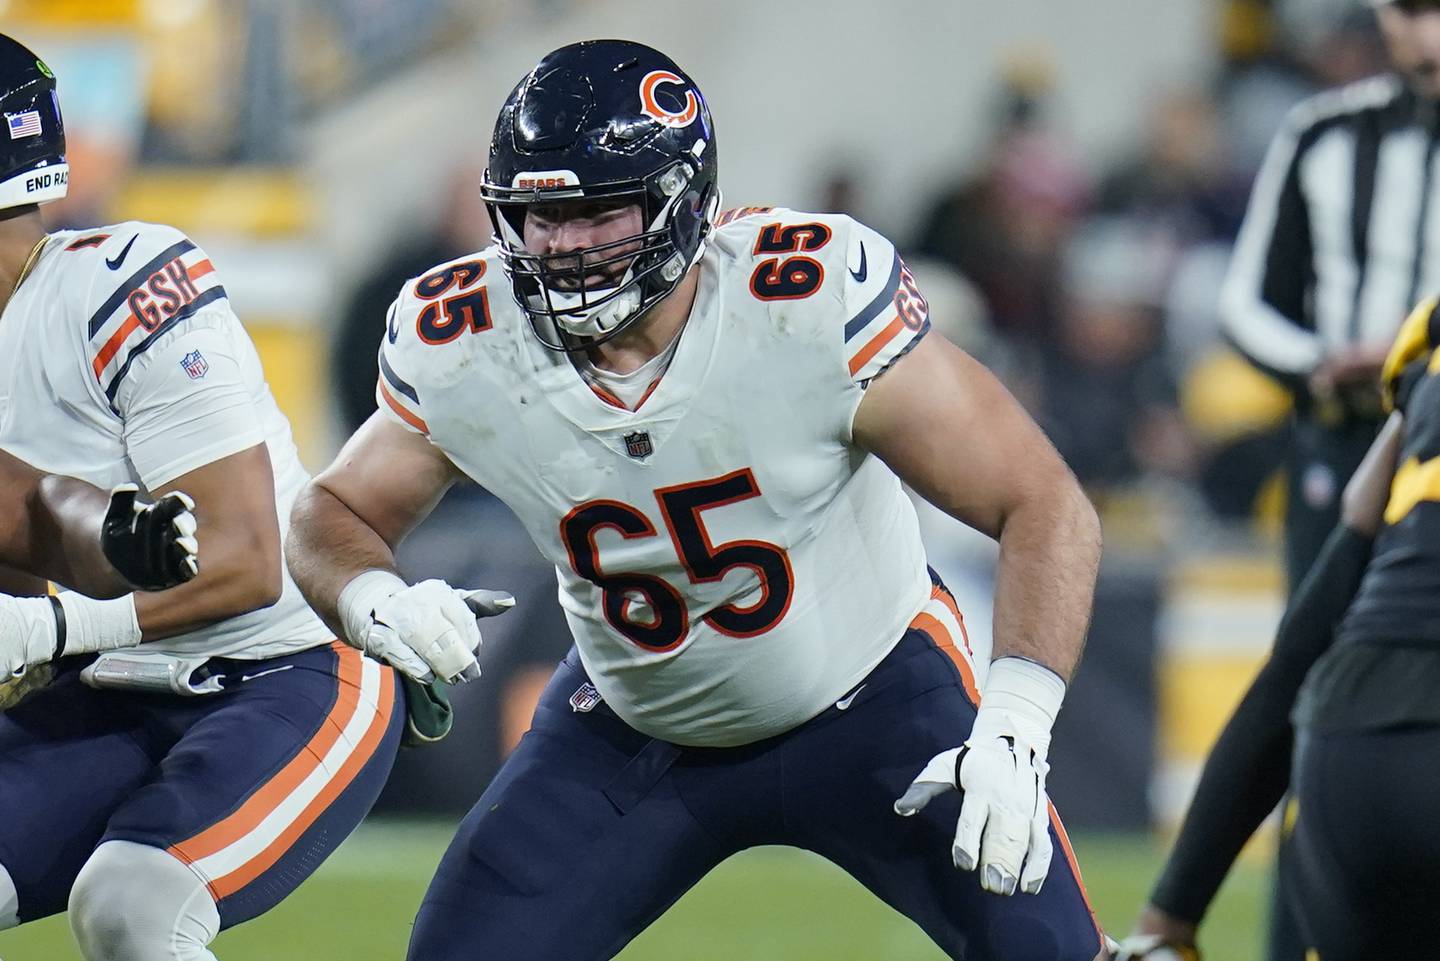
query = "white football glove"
{"x": 1004, "y": 826}
{"x": 1153, "y": 947}
{"x": 426, "y": 630}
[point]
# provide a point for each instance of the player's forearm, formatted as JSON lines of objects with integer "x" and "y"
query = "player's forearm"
{"x": 328, "y": 546}
{"x": 1045, "y": 581}
{"x": 64, "y": 519}
{"x": 241, "y": 573}
{"x": 18, "y": 583}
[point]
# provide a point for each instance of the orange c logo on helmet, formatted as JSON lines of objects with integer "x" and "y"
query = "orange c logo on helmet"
{"x": 651, "y": 108}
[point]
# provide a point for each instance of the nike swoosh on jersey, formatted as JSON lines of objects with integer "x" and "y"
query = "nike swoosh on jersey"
{"x": 844, "y": 703}
{"x": 114, "y": 264}
{"x": 863, "y": 272}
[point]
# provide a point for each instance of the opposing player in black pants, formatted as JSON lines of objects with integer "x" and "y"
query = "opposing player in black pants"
{"x": 1356, "y": 668}
{"x": 1336, "y": 246}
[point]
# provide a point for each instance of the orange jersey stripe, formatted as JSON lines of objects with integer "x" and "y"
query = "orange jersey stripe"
{"x": 249, "y": 815}
{"x": 608, "y": 397}
{"x": 941, "y": 636}
{"x": 1075, "y": 868}
{"x": 648, "y": 391}
{"x": 405, "y": 415}
{"x": 116, "y": 341}
{"x": 946, "y": 598}
{"x": 877, "y": 344}
{"x": 227, "y": 885}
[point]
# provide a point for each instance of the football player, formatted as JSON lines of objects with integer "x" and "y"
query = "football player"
{"x": 1341, "y": 712}
{"x": 65, "y": 530}
{"x": 700, "y": 418}
{"x": 227, "y": 754}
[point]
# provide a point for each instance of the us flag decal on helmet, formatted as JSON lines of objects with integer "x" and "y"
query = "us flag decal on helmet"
{"x": 637, "y": 444}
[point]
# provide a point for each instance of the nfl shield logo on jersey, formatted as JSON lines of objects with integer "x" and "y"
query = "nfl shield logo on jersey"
{"x": 585, "y": 698}
{"x": 195, "y": 365}
{"x": 637, "y": 444}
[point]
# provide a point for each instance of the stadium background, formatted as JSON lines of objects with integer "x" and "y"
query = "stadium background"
{"x": 1066, "y": 180}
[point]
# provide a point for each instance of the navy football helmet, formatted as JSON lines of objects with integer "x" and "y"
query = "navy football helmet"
{"x": 32, "y": 145}
{"x": 602, "y": 120}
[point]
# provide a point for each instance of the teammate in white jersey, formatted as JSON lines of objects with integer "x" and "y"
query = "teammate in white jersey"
{"x": 701, "y": 419}
{"x": 191, "y": 781}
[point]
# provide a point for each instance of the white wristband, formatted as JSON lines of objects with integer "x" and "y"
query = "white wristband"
{"x": 358, "y": 599}
{"x": 28, "y": 625}
{"x": 1027, "y": 691}
{"x": 92, "y": 625}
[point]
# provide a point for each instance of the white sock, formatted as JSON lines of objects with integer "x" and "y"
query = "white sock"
{"x": 9, "y": 901}
{"x": 133, "y": 902}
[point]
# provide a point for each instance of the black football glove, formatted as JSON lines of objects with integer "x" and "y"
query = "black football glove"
{"x": 152, "y": 545}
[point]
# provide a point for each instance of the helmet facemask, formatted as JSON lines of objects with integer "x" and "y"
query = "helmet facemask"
{"x": 566, "y": 313}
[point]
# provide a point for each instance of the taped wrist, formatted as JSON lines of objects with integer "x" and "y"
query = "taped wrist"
{"x": 358, "y": 599}
{"x": 1027, "y": 693}
{"x": 92, "y": 625}
{"x": 30, "y": 620}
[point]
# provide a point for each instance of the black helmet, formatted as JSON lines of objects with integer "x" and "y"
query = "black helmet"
{"x": 32, "y": 143}
{"x": 599, "y": 120}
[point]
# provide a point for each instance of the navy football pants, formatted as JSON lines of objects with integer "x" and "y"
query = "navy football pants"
{"x": 252, "y": 787}
{"x": 591, "y": 829}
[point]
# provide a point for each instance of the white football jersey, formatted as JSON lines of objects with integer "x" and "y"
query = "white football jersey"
{"x": 729, "y": 562}
{"x": 124, "y": 362}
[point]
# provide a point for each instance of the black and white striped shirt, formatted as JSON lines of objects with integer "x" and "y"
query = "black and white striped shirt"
{"x": 1342, "y": 235}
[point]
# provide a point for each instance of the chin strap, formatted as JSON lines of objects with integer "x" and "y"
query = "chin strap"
{"x": 602, "y": 319}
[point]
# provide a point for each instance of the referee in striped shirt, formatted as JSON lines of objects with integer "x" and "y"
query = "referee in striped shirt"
{"x": 1341, "y": 239}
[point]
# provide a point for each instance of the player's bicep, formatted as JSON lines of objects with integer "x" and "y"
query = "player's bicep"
{"x": 949, "y": 429}
{"x": 389, "y": 477}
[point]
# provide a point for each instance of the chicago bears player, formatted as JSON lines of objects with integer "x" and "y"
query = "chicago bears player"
{"x": 238, "y": 744}
{"x": 701, "y": 419}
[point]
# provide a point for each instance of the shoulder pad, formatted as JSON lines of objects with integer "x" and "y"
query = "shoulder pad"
{"x": 429, "y": 326}
{"x": 844, "y": 279}
{"x": 1416, "y": 340}
{"x": 144, "y": 279}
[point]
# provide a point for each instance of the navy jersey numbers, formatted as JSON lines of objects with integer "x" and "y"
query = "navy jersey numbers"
{"x": 668, "y": 621}
{"x": 790, "y": 278}
{"x": 442, "y": 320}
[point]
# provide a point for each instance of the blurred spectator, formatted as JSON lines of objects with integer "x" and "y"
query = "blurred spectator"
{"x": 465, "y": 228}
{"x": 1179, "y": 179}
{"x": 1108, "y": 400}
{"x": 840, "y": 194}
{"x": 1004, "y": 227}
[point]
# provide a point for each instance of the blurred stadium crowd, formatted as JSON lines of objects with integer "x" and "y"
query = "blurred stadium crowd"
{"x": 1087, "y": 278}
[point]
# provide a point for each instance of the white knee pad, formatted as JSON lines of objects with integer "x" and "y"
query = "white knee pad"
{"x": 9, "y": 901}
{"x": 133, "y": 902}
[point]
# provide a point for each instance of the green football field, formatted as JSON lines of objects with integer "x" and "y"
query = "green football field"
{"x": 770, "y": 904}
